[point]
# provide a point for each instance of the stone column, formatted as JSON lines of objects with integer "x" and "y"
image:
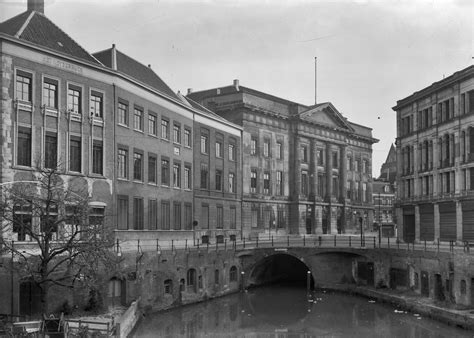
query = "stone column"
{"x": 313, "y": 169}
{"x": 329, "y": 170}
{"x": 297, "y": 171}
{"x": 459, "y": 237}
{"x": 343, "y": 171}
{"x": 436, "y": 220}
{"x": 399, "y": 212}
{"x": 417, "y": 223}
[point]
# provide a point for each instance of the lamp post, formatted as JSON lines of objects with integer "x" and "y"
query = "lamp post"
{"x": 11, "y": 280}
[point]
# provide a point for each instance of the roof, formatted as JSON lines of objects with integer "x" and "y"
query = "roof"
{"x": 36, "y": 28}
{"x": 379, "y": 185}
{"x": 135, "y": 69}
{"x": 436, "y": 86}
{"x": 203, "y": 110}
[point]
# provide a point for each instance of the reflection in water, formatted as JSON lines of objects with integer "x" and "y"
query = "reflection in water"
{"x": 291, "y": 312}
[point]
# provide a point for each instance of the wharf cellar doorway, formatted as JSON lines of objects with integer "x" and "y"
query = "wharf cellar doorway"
{"x": 409, "y": 224}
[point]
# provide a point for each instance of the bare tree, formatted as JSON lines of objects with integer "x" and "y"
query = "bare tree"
{"x": 62, "y": 240}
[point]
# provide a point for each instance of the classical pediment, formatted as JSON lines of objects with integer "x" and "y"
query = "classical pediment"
{"x": 325, "y": 114}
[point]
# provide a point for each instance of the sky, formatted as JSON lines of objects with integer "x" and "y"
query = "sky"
{"x": 370, "y": 53}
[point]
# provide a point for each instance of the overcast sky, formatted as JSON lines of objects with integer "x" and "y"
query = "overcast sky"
{"x": 370, "y": 53}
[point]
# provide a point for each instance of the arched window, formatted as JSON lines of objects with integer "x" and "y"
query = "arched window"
{"x": 168, "y": 286}
{"x": 233, "y": 274}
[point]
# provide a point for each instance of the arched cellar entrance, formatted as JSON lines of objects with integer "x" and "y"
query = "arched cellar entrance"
{"x": 280, "y": 268}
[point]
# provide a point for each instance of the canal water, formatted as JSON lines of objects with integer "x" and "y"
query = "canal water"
{"x": 286, "y": 311}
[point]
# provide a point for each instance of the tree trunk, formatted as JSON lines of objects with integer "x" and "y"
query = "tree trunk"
{"x": 45, "y": 297}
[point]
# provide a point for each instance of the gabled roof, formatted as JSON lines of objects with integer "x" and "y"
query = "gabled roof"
{"x": 134, "y": 69}
{"x": 392, "y": 155}
{"x": 34, "y": 27}
{"x": 326, "y": 114}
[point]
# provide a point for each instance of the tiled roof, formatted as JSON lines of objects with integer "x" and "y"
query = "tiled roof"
{"x": 136, "y": 70}
{"x": 36, "y": 28}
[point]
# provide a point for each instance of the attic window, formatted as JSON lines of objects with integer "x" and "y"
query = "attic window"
{"x": 60, "y": 44}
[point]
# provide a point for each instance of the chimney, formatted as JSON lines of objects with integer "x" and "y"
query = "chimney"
{"x": 236, "y": 84}
{"x": 36, "y": 5}
{"x": 190, "y": 90}
{"x": 114, "y": 58}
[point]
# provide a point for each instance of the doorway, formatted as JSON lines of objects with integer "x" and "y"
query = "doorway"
{"x": 425, "y": 284}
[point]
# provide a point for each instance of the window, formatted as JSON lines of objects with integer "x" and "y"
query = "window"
{"x": 138, "y": 213}
{"x": 50, "y": 93}
{"x": 74, "y": 100}
{"x": 280, "y": 218}
{"x": 253, "y": 181}
{"x": 204, "y": 144}
{"x": 218, "y": 180}
{"x": 165, "y": 172}
{"x": 122, "y": 212}
{"x": 356, "y": 165}
{"x": 122, "y": 163}
{"x": 253, "y": 146}
{"x": 266, "y": 148}
{"x": 22, "y": 216}
{"x": 165, "y": 215}
{"x": 304, "y": 183}
{"x": 96, "y": 105}
{"x": 219, "y": 149}
{"x": 364, "y": 166}
{"x": 266, "y": 183}
{"x": 233, "y": 218}
{"x": 152, "y": 120}
{"x": 220, "y": 217}
{"x": 75, "y": 154}
{"x": 205, "y": 216}
{"x": 320, "y": 156}
{"x": 97, "y": 157}
{"x": 137, "y": 166}
{"x": 51, "y": 150}
{"x": 304, "y": 154}
{"x": 187, "y": 137}
{"x": 279, "y": 151}
{"x": 177, "y": 216}
{"x": 23, "y": 86}
{"x": 187, "y": 177}
{"x": 188, "y": 217}
{"x": 151, "y": 169}
{"x": 279, "y": 183}
{"x": 233, "y": 274}
{"x": 152, "y": 214}
{"x": 168, "y": 286}
{"x": 176, "y": 133}
{"x": 349, "y": 163}
{"x": 335, "y": 159}
{"x": 364, "y": 192}
{"x": 165, "y": 129}
{"x": 204, "y": 175}
{"x": 335, "y": 187}
{"x": 177, "y": 175}
{"x": 122, "y": 113}
{"x": 231, "y": 182}
{"x": 231, "y": 152}
{"x": 321, "y": 185}
{"x": 138, "y": 119}
{"x": 191, "y": 277}
{"x": 24, "y": 146}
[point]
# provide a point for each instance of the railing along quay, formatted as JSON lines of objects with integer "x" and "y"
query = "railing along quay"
{"x": 290, "y": 241}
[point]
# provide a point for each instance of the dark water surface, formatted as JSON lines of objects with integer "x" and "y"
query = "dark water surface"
{"x": 279, "y": 311}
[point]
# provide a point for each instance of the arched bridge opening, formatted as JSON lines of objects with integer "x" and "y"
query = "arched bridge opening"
{"x": 283, "y": 269}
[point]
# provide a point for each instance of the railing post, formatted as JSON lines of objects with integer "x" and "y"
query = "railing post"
{"x": 157, "y": 246}
{"x": 425, "y": 244}
{"x": 288, "y": 240}
{"x": 375, "y": 243}
{"x": 198, "y": 245}
{"x": 225, "y": 244}
{"x": 319, "y": 239}
{"x": 207, "y": 245}
{"x": 304, "y": 240}
{"x": 272, "y": 241}
{"x": 350, "y": 241}
{"x": 257, "y": 241}
{"x": 186, "y": 244}
{"x": 334, "y": 240}
{"x": 172, "y": 245}
{"x": 138, "y": 245}
{"x": 438, "y": 244}
{"x": 244, "y": 242}
{"x": 117, "y": 246}
{"x": 388, "y": 242}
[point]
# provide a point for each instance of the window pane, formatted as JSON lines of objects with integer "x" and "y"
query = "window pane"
{"x": 74, "y": 100}
{"x": 152, "y": 169}
{"x": 75, "y": 155}
{"x": 122, "y": 114}
{"x": 51, "y": 151}
{"x": 137, "y": 166}
{"x": 96, "y": 105}
{"x": 97, "y": 157}
{"x": 122, "y": 163}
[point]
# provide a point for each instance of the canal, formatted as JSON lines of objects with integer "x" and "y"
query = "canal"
{"x": 289, "y": 311}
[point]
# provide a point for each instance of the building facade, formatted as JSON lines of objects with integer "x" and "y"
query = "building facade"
{"x": 306, "y": 169}
{"x": 435, "y": 173}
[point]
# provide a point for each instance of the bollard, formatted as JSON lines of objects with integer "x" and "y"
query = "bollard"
{"x": 186, "y": 244}
{"x": 198, "y": 245}
{"x": 319, "y": 239}
{"x": 308, "y": 280}
{"x": 257, "y": 241}
{"x": 334, "y": 240}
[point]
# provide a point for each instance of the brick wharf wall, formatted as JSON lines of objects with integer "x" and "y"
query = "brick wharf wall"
{"x": 154, "y": 186}
{"x": 217, "y": 209}
{"x": 435, "y": 147}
